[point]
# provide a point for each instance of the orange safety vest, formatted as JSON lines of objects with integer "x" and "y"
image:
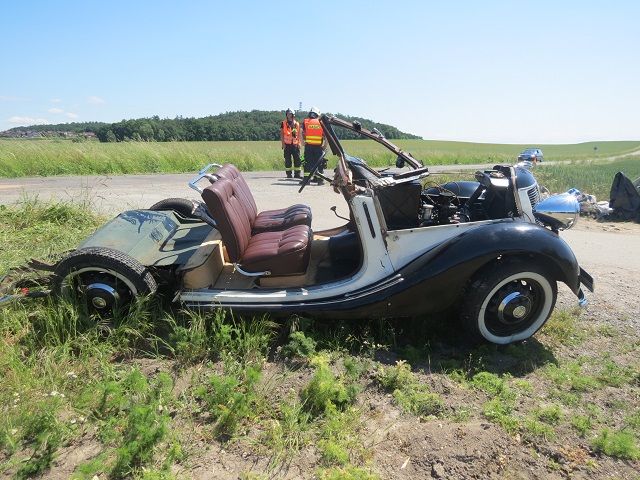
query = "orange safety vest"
{"x": 291, "y": 135}
{"x": 313, "y": 131}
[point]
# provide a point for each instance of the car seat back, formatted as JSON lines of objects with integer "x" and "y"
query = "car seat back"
{"x": 227, "y": 206}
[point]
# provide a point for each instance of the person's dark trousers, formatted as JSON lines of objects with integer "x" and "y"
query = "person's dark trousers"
{"x": 311, "y": 155}
{"x": 291, "y": 150}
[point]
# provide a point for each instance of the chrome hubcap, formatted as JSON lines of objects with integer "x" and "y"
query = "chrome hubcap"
{"x": 102, "y": 295}
{"x": 520, "y": 311}
{"x": 514, "y": 307}
{"x": 98, "y": 302}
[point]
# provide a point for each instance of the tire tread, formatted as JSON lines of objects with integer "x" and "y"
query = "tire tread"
{"x": 474, "y": 293}
{"x": 182, "y": 206}
{"x": 110, "y": 259}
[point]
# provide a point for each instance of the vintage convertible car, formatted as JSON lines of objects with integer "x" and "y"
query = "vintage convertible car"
{"x": 488, "y": 249}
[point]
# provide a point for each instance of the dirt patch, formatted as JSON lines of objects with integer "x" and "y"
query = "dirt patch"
{"x": 588, "y": 224}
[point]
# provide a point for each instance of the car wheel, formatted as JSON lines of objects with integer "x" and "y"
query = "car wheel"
{"x": 508, "y": 302}
{"x": 180, "y": 205}
{"x": 105, "y": 279}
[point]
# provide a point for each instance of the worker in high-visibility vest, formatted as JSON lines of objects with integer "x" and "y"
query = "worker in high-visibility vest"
{"x": 290, "y": 140}
{"x": 313, "y": 141}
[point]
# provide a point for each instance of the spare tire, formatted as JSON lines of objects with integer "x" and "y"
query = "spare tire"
{"x": 179, "y": 205}
{"x": 106, "y": 279}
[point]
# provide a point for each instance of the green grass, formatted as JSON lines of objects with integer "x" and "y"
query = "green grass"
{"x": 563, "y": 328}
{"x": 347, "y": 473}
{"x": 34, "y": 229}
{"x": 592, "y": 177}
{"x": 45, "y": 157}
{"x": 410, "y": 395}
{"x": 327, "y": 390}
{"x": 620, "y": 444}
{"x": 156, "y": 391}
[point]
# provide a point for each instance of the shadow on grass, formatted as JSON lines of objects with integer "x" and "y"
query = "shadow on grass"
{"x": 153, "y": 328}
{"x": 431, "y": 344}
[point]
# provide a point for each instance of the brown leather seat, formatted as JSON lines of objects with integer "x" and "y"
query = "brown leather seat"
{"x": 283, "y": 252}
{"x": 269, "y": 220}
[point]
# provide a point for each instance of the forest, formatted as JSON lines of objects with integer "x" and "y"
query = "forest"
{"x": 253, "y": 125}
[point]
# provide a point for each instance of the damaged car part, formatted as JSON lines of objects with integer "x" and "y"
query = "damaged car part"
{"x": 487, "y": 247}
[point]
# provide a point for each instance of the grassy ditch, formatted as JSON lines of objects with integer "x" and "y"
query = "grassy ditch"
{"x": 164, "y": 393}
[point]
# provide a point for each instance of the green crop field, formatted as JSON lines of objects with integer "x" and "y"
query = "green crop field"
{"x": 589, "y": 176}
{"x": 593, "y": 177}
{"x": 19, "y": 158}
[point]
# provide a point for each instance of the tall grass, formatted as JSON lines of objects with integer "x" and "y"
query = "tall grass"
{"x": 45, "y": 157}
{"x": 35, "y": 229}
{"x": 592, "y": 177}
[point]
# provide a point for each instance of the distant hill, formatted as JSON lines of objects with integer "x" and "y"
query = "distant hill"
{"x": 60, "y": 129}
{"x": 253, "y": 125}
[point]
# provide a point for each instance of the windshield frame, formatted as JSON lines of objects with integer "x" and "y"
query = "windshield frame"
{"x": 376, "y": 136}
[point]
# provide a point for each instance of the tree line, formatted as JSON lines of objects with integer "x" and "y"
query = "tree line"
{"x": 253, "y": 125}
{"x": 74, "y": 127}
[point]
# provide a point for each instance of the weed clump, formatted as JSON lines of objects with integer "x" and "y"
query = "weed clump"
{"x": 500, "y": 407}
{"x": 396, "y": 377}
{"x": 299, "y": 346}
{"x": 339, "y": 436}
{"x": 411, "y": 395}
{"x": 534, "y": 429}
{"x": 289, "y": 432}
{"x": 133, "y": 414}
{"x": 621, "y": 444}
{"x": 419, "y": 402}
{"x": 230, "y": 398}
{"x": 550, "y": 415}
{"x": 325, "y": 389}
{"x": 540, "y": 424}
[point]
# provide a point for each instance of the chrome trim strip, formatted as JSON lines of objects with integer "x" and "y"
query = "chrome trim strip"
{"x": 203, "y": 174}
{"x": 251, "y": 274}
{"x": 516, "y": 192}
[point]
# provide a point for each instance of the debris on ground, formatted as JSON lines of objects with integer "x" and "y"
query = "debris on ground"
{"x": 625, "y": 198}
{"x": 624, "y": 203}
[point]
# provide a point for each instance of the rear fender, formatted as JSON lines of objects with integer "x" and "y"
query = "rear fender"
{"x": 158, "y": 239}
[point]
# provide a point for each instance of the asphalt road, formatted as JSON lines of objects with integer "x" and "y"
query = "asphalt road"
{"x": 113, "y": 194}
{"x": 593, "y": 244}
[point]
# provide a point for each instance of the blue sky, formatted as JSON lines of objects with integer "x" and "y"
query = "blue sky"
{"x": 492, "y": 71}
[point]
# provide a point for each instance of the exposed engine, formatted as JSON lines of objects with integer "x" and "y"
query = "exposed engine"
{"x": 503, "y": 192}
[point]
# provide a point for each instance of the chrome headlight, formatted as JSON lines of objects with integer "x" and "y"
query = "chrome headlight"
{"x": 560, "y": 212}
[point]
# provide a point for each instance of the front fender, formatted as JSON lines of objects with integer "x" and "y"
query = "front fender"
{"x": 456, "y": 260}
